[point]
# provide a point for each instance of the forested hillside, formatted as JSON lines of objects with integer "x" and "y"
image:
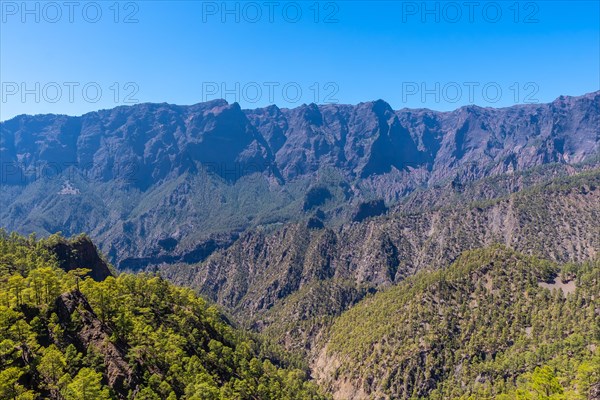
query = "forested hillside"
{"x": 380, "y": 254}
{"x": 494, "y": 324}
{"x": 64, "y": 335}
{"x": 289, "y": 281}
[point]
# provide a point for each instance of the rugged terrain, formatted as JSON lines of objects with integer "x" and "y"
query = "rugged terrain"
{"x": 403, "y": 254}
{"x": 68, "y": 338}
{"x": 291, "y": 279}
{"x": 159, "y": 183}
{"x": 494, "y": 324}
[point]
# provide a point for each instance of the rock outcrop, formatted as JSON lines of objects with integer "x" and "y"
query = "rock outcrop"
{"x": 81, "y": 252}
{"x": 93, "y": 335}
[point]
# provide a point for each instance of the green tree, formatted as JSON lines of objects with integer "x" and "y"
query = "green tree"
{"x": 10, "y": 388}
{"x": 52, "y": 365}
{"x": 87, "y": 385}
{"x": 544, "y": 383}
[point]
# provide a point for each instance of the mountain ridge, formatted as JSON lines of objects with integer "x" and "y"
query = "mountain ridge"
{"x": 291, "y": 220}
{"x": 270, "y": 106}
{"x": 196, "y": 177}
{"x": 289, "y": 280}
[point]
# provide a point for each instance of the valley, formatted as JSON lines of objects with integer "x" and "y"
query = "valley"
{"x": 343, "y": 252}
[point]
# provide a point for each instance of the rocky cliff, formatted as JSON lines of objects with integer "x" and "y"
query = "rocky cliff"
{"x": 291, "y": 275}
{"x": 157, "y": 183}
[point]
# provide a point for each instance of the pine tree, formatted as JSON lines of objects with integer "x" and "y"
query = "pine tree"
{"x": 87, "y": 385}
{"x": 52, "y": 365}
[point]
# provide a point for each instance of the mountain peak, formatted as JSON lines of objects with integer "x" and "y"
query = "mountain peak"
{"x": 80, "y": 252}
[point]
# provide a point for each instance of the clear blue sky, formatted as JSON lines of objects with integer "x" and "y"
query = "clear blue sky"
{"x": 350, "y": 51}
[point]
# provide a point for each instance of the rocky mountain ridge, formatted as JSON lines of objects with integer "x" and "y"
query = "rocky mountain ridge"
{"x": 158, "y": 183}
{"x": 288, "y": 279}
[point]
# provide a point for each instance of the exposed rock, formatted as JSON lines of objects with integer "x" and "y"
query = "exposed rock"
{"x": 256, "y": 275}
{"x": 594, "y": 392}
{"x": 147, "y": 172}
{"x": 80, "y": 252}
{"x": 96, "y": 335}
{"x": 369, "y": 209}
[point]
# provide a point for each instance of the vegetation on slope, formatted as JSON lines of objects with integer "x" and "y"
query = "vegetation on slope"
{"x": 131, "y": 336}
{"x": 494, "y": 187}
{"x": 290, "y": 281}
{"x": 486, "y": 327}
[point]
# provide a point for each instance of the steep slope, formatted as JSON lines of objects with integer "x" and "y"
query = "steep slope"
{"x": 159, "y": 183}
{"x": 20, "y": 254}
{"x": 77, "y": 253}
{"x": 129, "y": 337}
{"x": 494, "y": 324}
{"x": 288, "y": 279}
{"x": 372, "y": 139}
{"x": 456, "y": 193}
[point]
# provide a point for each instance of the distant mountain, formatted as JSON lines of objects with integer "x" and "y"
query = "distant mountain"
{"x": 159, "y": 183}
{"x": 404, "y": 254}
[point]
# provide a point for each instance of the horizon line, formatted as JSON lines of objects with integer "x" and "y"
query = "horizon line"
{"x": 595, "y": 92}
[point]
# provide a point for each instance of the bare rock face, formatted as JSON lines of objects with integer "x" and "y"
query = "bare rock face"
{"x": 369, "y": 209}
{"x": 81, "y": 253}
{"x": 594, "y": 393}
{"x": 93, "y": 334}
{"x": 138, "y": 175}
{"x": 144, "y": 143}
{"x": 147, "y": 143}
{"x": 371, "y": 139}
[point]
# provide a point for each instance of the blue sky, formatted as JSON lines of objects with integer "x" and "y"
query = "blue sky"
{"x": 64, "y": 59}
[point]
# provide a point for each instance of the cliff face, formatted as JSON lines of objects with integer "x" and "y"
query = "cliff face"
{"x": 81, "y": 253}
{"x": 93, "y": 335}
{"x": 372, "y": 139}
{"x": 141, "y": 144}
{"x": 137, "y": 178}
{"x": 144, "y": 144}
{"x": 296, "y": 273}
